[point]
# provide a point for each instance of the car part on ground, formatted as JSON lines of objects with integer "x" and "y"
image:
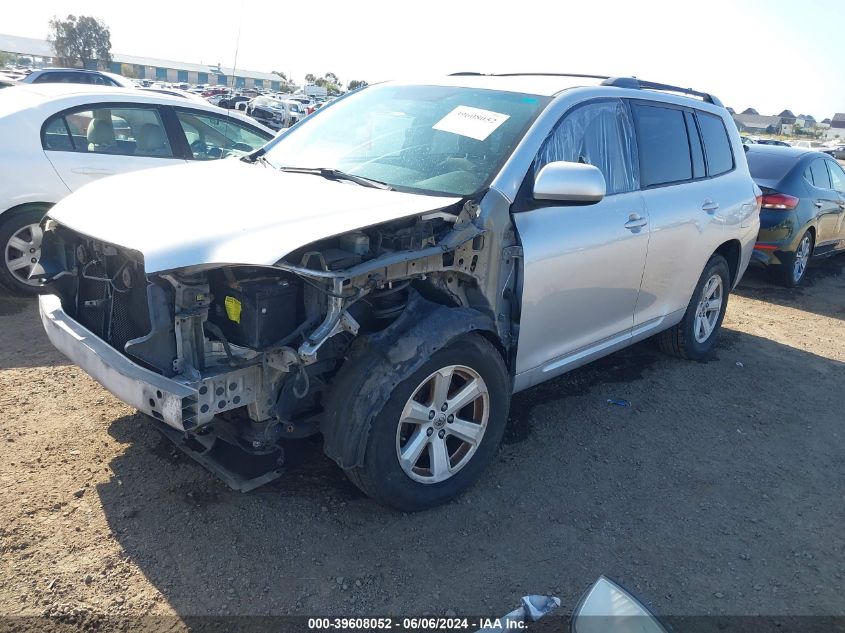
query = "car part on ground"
{"x": 403, "y": 261}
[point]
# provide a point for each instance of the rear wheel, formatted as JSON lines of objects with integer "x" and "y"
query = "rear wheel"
{"x": 695, "y": 336}
{"x": 20, "y": 239}
{"x": 439, "y": 428}
{"x": 793, "y": 266}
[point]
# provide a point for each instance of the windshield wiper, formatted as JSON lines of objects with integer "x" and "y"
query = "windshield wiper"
{"x": 337, "y": 174}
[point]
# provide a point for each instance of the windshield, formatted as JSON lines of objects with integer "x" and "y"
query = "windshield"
{"x": 444, "y": 140}
{"x": 266, "y": 102}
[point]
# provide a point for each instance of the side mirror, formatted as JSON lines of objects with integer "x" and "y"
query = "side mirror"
{"x": 608, "y": 608}
{"x": 569, "y": 182}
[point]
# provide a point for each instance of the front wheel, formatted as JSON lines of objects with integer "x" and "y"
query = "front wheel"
{"x": 439, "y": 428}
{"x": 20, "y": 239}
{"x": 695, "y": 336}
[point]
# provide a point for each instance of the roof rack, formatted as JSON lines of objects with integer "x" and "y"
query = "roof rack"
{"x": 619, "y": 82}
{"x": 638, "y": 84}
{"x": 475, "y": 74}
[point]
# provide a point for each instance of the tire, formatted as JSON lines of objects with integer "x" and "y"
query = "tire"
{"x": 686, "y": 339}
{"x": 383, "y": 477}
{"x": 793, "y": 267}
{"x": 20, "y": 227}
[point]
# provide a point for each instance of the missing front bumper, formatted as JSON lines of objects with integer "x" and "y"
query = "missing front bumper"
{"x": 183, "y": 406}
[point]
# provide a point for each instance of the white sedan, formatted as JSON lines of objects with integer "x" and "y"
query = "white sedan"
{"x": 58, "y": 137}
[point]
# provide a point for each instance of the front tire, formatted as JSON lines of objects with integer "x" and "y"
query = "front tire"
{"x": 439, "y": 429}
{"x": 20, "y": 241}
{"x": 696, "y": 335}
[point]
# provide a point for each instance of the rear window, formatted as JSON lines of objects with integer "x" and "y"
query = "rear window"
{"x": 769, "y": 165}
{"x": 717, "y": 146}
{"x": 663, "y": 144}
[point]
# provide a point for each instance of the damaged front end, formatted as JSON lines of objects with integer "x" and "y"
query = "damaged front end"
{"x": 245, "y": 354}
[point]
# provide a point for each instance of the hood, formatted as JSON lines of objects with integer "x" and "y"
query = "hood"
{"x": 227, "y": 212}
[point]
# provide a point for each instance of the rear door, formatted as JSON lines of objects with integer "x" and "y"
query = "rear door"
{"x": 837, "y": 181}
{"x": 582, "y": 263}
{"x": 826, "y": 203}
{"x": 89, "y": 142}
{"x": 687, "y": 204}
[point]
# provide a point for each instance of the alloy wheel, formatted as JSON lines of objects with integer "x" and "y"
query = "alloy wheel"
{"x": 802, "y": 257}
{"x": 442, "y": 424}
{"x": 23, "y": 252}
{"x": 709, "y": 308}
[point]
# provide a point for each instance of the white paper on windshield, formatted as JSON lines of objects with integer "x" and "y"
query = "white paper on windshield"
{"x": 472, "y": 122}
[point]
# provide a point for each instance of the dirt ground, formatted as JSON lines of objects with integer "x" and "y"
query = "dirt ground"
{"x": 718, "y": 491}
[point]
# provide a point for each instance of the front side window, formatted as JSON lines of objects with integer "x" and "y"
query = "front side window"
{"x": 599, "y": 134}
{"x": 212, "y": 137}
{"x": 717, "y": 145}
{"x": 663, "y": 144}
{"x": 127, "y": 131}
{"x": 440, "y": 139}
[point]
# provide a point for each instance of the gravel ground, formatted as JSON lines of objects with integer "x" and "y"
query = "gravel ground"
{"x": 718, "y": 491}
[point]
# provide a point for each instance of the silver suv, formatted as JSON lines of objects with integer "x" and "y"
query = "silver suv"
{"x": 388, "y": 272}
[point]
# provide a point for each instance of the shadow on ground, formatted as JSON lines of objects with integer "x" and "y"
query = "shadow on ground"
{"x": 703, "y": 486}
{"x": 824, "y": 274}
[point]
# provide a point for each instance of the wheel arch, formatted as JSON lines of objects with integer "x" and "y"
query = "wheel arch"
{"x": 376, "y": 364}
{"x": 731, "y": 250}
{"x": 25, "y": 206}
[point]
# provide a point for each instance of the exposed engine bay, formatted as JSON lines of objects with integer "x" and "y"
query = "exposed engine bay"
{"x": 258, "y": 346}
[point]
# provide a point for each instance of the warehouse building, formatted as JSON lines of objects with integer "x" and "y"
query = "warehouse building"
{"x": 134, "y": 67}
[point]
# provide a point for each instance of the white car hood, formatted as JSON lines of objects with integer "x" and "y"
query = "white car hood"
{"x": 227, "y": 212}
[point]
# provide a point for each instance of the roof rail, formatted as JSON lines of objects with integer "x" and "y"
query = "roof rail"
{"x": 638, "y": 84}
{"x": 528, "y": 75}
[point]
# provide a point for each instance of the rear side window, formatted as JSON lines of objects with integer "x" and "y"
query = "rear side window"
{"x": 821, "y": 178}
{"x": 128, "y": 131}
{"x": 717, "y": 146}
{"x": 664, "y": 145}
{"x": 56, "y": 136}
{"x": 837, "y": 176}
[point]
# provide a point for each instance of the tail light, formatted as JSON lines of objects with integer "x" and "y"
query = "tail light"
{"x": 779, "y": 201}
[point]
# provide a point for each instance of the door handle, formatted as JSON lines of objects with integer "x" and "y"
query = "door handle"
{"x": 817, "y": 204}
{"x": 709, "y": 206}
{"x": 635, "y": 221}
{"x": 92, "y": 171}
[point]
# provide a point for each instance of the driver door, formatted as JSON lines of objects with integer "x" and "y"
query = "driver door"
{"x": 582, "y": 264}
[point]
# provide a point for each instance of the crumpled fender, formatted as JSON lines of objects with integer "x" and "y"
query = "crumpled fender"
{"x": 379, "y": 362}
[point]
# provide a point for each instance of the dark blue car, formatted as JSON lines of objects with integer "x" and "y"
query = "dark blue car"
{"x": 803, "y": 209}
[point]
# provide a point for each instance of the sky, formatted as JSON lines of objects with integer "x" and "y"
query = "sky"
{"x": 767, "y": 54}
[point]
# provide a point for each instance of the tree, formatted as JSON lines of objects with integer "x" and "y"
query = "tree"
{"x": 356, "y": 83}
{"x": 332, "y": 78}
{"x": 310, "y": 78}
{"x": 82, "y": 39}
{"x": 6, "y": 58}
{"x": 280, "y": 74}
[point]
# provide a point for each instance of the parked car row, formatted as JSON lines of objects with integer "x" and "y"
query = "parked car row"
{"x": 59, "y": 137}
{"x": 398, "y": 264}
